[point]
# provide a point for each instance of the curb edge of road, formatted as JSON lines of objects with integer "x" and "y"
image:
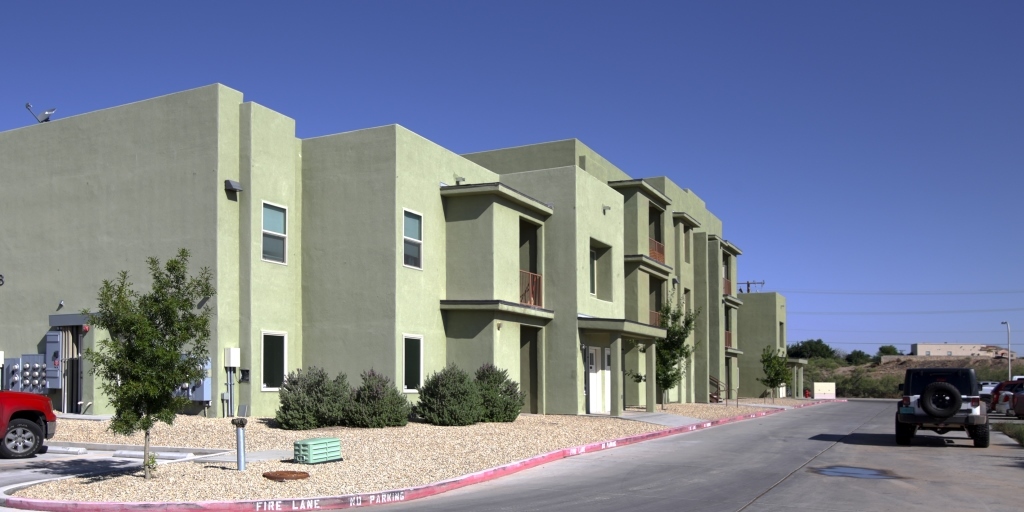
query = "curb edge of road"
{"x": 377, "y": 498}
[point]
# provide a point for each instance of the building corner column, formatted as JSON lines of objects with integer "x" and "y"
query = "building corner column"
{"x": 652, "y": 384}
{"x": 616, "y": 379}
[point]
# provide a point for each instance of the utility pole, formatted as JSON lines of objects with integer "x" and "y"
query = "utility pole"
{"x": 1009, "y": 360}
{"x": 748, "y": 283}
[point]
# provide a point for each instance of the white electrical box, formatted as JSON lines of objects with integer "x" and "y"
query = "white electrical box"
{"x": 232, "y": 357}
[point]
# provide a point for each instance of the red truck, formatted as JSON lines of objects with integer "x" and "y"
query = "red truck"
{"x": 25, "y": 419}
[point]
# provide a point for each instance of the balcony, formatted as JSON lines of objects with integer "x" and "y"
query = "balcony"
{"x": 530, "y": 289}
{"x": 726, "y": 286}
{"x": 656, "y": 318}
{"x": 657, "y": 251}
{"x": 728, "y": 339}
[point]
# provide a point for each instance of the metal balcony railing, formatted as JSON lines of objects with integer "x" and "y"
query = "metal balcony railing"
{"x": 530, "y": 289}
{"x": 726, "y": 286}
{"x": 657, "y": 251}
{"x": 728, "y": 339}
{"x": 656, "y": 318}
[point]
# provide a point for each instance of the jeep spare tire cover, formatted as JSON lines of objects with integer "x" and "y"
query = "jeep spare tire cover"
{"x": 941, "y": 399}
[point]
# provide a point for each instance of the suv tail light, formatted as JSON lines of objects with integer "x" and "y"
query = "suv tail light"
{"x": 906, "y": 401}
{"x": 975, "y": 402}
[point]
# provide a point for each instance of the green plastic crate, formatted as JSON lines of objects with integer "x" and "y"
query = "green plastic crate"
{"x": 317, "y": 450}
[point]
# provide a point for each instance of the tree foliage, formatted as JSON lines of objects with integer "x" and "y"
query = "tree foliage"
{"x": 774, "y": 365}
{"x": 889, "y": 350}
{"x": 158, "y": 340}
{"x": 672, "y": 351}
{"x": 310, "y": 399}
{"x": 809, "y": 349}
{"x": 858, "y": 357}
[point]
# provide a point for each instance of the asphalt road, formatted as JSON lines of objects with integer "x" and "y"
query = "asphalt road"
{"x": 833, "y": 457}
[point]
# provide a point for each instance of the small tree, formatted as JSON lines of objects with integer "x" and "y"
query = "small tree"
{"x": 774, "y": 365}
{"x": 672, "y": 350}
{"x": 158, "y": 340}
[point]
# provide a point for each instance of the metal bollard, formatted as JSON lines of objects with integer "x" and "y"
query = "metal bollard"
{"x": 239, "y": 423}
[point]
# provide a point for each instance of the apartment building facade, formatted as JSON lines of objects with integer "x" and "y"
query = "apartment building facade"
{"x": 375, "y": 248}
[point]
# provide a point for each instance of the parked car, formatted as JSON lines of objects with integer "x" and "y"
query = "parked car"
{"x": 941, "y": 400}
{"x": 1017, "y": 405}
{"x": 986, "y": 390}
{"x": 25, "y": 419}
{"x": 1004, "y": 398}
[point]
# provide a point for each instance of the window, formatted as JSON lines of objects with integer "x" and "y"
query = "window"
{"x": 593, "y": 272}
{"x": 413, "y": 363}
{"x": 949, "y": 352}
{"x": 687, "y": 236}
{"x": 413, "y": 235}
{"x": 275, "y": 234}
{"x": 927, "y": 352}
{"x": 600, "y": 270}
{"x": 274, "y": 360}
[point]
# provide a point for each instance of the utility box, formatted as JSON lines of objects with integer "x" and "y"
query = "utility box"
{"x": 232, "y": 357}
{"x": 317, "y": 450}
{"x": 26, "y": 373}
{"x": 55, "y": 356}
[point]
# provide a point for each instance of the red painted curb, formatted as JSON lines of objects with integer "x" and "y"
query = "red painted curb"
{"x": 379, "y": 498}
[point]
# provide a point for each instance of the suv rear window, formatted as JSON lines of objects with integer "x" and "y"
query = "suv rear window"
{"x": 920, "y": 379}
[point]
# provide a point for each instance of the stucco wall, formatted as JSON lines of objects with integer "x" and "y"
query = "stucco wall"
{"x": 759, "y": 319}
{"x": 87, "y": 196}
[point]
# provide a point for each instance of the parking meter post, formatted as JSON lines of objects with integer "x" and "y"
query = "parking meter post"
{"x": 239, "y": 424}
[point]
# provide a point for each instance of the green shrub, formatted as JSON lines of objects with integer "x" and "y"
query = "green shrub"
{"x": 377, "y": 403}
{"x": 309, "y": 399}
{"x": 501, "y": 397}
{"x": 450, "y": 398}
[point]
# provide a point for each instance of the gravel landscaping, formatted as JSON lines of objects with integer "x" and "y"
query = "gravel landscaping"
{"x": 374, "y": 459}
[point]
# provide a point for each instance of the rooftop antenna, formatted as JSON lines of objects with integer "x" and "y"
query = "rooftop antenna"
{"x": 42, "y": 118}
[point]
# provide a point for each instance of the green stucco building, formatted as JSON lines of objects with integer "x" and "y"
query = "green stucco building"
{"x": 375, "y": 248}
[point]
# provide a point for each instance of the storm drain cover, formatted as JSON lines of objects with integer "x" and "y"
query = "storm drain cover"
{"x": 871, "y": 474}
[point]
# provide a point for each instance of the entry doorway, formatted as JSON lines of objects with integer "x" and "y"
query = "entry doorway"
{"x": 599, "y": 399}
{"x": 529, "y": 381}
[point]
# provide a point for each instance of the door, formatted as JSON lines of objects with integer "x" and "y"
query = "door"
{"x": 599, "y": 398}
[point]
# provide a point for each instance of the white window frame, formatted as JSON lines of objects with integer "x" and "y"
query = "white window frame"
{"x": 404, "y": 360}
{"x": 263, "y": 336}
{"x": 283, "y": 236}
{"x": 593, "y": 272}
{"x": 423, "y": 230}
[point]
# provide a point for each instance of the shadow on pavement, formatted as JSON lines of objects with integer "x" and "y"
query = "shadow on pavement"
{"x": 93, "y": 470}
{"x": 862, "y": 439}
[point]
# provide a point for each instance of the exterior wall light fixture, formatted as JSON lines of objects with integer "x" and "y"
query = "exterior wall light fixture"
{"x": 232, "y": 186}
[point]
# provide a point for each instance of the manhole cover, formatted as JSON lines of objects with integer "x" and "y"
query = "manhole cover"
{"x": 871, "y": 474}
{"x": 283, "y": 476}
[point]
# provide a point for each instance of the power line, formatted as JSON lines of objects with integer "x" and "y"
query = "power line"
{"x": 898, "y": 332}
{"x": 945, "y": 312}
{"x": 838, "y": 292}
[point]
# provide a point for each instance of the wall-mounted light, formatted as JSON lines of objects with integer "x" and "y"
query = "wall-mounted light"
{"x": 605, "y": 209}
{"x": 459, "y": 180}
{"x": 675, "y": 281}
{"x": 232, "y": 186}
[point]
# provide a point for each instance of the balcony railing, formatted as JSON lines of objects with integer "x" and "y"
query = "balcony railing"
{"x": 726, "y": 286}
{"x": 656, "y": 318}
{"x": 657, "y": 251}
{"x": 530, "y": 289}
{"x": 728, "y": 339}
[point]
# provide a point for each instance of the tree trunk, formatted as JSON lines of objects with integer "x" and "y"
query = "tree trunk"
{"x": 145, "y": 456}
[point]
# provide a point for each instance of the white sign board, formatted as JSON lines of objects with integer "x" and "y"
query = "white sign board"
{"x": 824, "y": 390}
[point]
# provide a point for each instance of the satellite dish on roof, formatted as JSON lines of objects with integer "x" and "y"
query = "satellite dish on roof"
{"x": 42, "y": 118}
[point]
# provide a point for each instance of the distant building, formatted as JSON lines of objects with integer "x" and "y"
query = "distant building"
{"x": 957, "y": 349}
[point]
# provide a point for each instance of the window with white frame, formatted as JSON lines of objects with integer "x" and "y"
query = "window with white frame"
{"x": 275, "y": 233}
{"x": 413, "y": 372}
{"x": 274, "y": 357}
{"x": 412, "y": 233}
{"x": 593, "y": 272}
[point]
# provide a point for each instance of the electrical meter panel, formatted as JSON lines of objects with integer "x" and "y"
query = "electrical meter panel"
{"x": 26, "y": 373}
{"x": 197, "y": 391}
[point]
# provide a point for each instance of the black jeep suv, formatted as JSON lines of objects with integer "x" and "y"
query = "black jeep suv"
{"x": 941, "y": 400}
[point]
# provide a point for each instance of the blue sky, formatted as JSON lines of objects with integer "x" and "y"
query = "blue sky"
{"x": 871, "y": 147}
